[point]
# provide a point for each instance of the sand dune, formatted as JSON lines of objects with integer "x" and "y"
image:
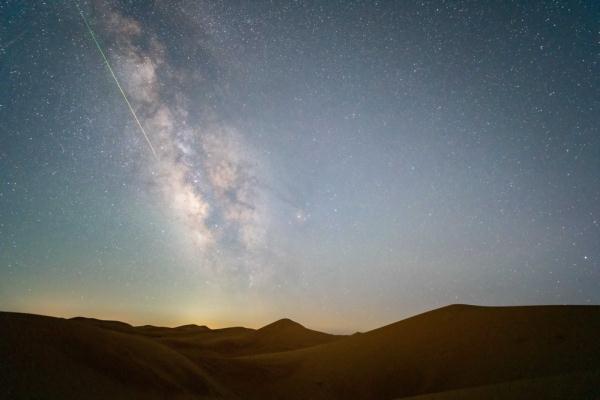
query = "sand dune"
{"x": 44, "y": 357}
{"x": 284, "y": 335}
{"x": 281, "y": 335}
{"x": 577, "y": 385}
{"x": 144, "y": 330}
{"x": 453, "y": 347}
{"x": 453, "y": 352}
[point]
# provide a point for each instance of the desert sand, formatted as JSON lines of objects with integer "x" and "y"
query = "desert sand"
{"x": 455, "y": 352}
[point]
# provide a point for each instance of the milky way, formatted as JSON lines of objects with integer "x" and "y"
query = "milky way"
{"x": 345, "y": 163}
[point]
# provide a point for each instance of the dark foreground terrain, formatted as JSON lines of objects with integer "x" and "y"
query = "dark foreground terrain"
{"x": 456, "y": 352}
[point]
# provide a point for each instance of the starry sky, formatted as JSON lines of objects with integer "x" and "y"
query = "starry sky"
{"x": 342, "y": 163}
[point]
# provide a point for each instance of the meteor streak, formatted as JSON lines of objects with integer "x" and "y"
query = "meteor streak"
{"x": 116, "y": 80}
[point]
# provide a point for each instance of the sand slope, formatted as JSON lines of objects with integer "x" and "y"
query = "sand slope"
{"x": 201, "y": 341}
{"x": 454, "y": 352}
{"x": 577, "y": 385}
{"x": 44, "y": 358}
{"x": 453, "y": 347}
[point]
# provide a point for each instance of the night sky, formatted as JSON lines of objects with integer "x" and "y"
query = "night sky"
{"x": 345, "y": 164}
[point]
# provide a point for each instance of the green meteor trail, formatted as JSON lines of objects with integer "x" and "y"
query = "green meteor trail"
{"x": 116, "y": 80}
